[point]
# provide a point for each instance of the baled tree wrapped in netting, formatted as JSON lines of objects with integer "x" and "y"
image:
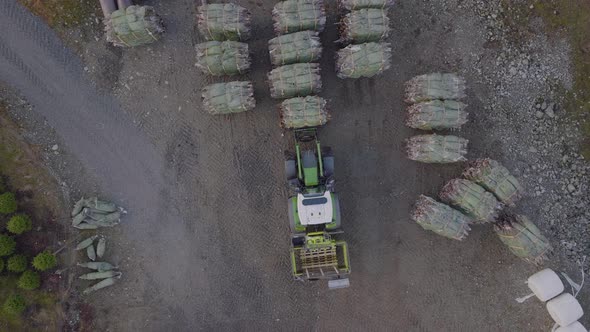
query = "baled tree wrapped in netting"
{"x": 224, "y": 21}
{"x": 296, "y": 80}
{"x": 363, "y": 60}
{"x": 523, "y": 238}
{"x": 231, "y": 97}
{"x": 471, "y": 199}
{"x": 223, "y": 58}
{"x": 437, "y": 114}
{"x": 298, "y": 15}
{"x": 496, "y": 178}
{"x": 435, "y": 86}
{"x": 297, "y": 47}
{"x": 436, "y": 149}
{"x": 134, "y": 26}
{"x": 303, "y": 112}
{"x": 359, "y": 4}
{"x": 440, "y": 218}
{"x": 364, "y": 25}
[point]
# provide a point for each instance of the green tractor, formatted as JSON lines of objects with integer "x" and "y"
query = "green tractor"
{"x": 314, "y": 214}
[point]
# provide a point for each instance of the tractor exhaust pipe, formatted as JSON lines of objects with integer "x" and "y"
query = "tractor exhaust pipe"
{"x": 122, "y": 4}
{"x": 108, "y": 7}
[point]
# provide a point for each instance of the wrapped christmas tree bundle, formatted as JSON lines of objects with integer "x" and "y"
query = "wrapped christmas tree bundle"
{"x": 299, "y": 79}
{"x": 496, "y": 178}
{"x": 435, "y": 86}
{"x": 437, "y": 115}
{"x": 471, "y": 199}
{"x": 224, "y": 21}
{"x": 436, "y": 149}
{"x": 440, "y": 218}
{"x": 298, "y": 15}
{"x": 231, "y": 97}
{"x": 133, "y": 26}
{"x": 363, "y": 60}
{"x": 301, "y": 112}
{"x": 223, "y": 58}
{"x": 364, "y": 25}
{"x": 523, "y": 238}
{"x": 359, "y": 4}
{"x": 297, "y": 47}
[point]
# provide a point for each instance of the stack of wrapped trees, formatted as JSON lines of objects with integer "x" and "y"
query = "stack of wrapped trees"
{"x": 301, "y": 112}
{"x": 437, "y": 115}
{"x": 224, "y": 26}
{"x": 360, "y": 4}
{"x": 299, "y": 15}
{"x": 133, "y": 26}
{"x": 440, "y": 218}
{"x": 523, "y": 238}
{"x": 472, "y": 199}
{"x": 436, "y": 149}
{"x": 495, "y": 178}
{"x": 297, "y": 47}
{"x": 225, "y": 21}
{"x": 435, "y": 86}
{"x": 364, "y": 25}
{"x": 363, "y": 60}
{"x": 296, "y": 80}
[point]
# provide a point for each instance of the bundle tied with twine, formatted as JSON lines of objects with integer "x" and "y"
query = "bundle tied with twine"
{"x": 231, "y": 97}
{"x": 295, "y": 80}
{"x": 440, "y": 218}
{"x": 133, "y": 26}
{"x": 301, "y": 112}
{"x": 523, "y": 238}
{"x": 364, "y": 25}
{"x": 496, "y": 178}
{"x": 363, "y": 60}
{"x": 472, "y": 199}
{"x": 436, "y": 149}
{"x": 435, "y": 86}
{"x": 297, "y": 47}
{"x": 298, "y": 15}
{"x": 359, "y": 4}
{"x": 223, "y": 58}
{"x": 224, "y": 21}
{"x": 437, "y": 114}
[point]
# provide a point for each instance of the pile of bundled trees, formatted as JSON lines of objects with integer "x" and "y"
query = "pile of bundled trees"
{"x": 128, "y": 26}
{"x": 364, "y": 28}
{"x": 226, "y": 27}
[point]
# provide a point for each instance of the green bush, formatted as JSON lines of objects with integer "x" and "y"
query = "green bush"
{"x": 17, "y": 263}
{"x": 14, "y": 304}
{"x": 7, "y": 203}
{"x": 1, "y": 265}
{"x": 44, "y": 261}
{"x": 7, "y": 245}
{"x": 29, "y": 280}
{"x": 19, "y": 224}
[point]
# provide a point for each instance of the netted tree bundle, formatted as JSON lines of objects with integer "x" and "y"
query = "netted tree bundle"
{"x": 298, "y": 15}
{"x": 231, "y": 97}
{"x": 301, "y": 112}
{"x": 437, "y": 114}
{"x": 364, "y": 25}
{"x": 134, "y": 26}
{"x": 471, "y": 199}
{"x": 223, "y": 21}
{"x": 523, "y": 238}
{"x": 296, "y": 80}
{"x": 440, "y": 218}
{"x": 435, "y": 86}
{"x": 223, "y": 58}
{"x": 297, "y": 47}
{"x": 436, "y": 149}
{"x": 358, "y": 4}
{"x": 363, "y": 60}
{"x": 496, "y": 178}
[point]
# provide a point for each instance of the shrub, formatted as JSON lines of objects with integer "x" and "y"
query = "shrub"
{"x": 7, "y": 245}
{"x": 14, "y": 304}
{"x": 44, "y": 261}
{"x": 19, "y": 224}
{"x": 17, "y": 263}
{"x": 7, "y": 203}
{"x": 1, "y": 265}
{"x": 29, "y": 280}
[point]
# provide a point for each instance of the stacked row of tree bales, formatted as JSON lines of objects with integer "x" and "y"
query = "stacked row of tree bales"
{"x": 127, "y": 25}
{"x": 364, "y": 28}
{"x": 225, "y": 27}
{"x": 294, "y": 54}
{"x": 13, "y": 262}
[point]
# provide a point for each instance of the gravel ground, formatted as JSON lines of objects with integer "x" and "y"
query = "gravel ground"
{"x": 205, "y": 245}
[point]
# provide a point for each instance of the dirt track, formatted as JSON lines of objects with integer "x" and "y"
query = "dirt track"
{"x": 205, "y": 245}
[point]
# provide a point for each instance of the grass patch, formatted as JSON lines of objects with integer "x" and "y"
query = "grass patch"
{"x": 60, "y": 14}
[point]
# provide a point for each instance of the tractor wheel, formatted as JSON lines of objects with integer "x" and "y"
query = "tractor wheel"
{"x": 327, "y": 151}
{"x": 337, "y": 217}
{"x": 328, "y": 166}
{"x": 290, "y": 169}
